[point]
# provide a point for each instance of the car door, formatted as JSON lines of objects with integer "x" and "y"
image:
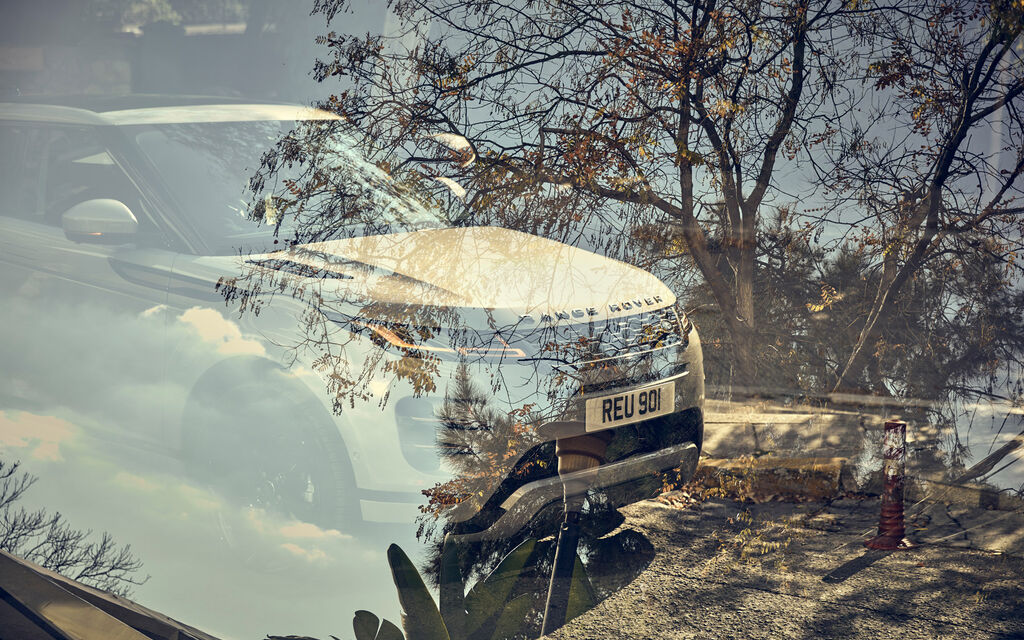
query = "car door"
{"x": 83, "y": 333}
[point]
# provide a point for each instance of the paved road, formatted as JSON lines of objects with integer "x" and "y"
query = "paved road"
{"x": 725, "y": 570}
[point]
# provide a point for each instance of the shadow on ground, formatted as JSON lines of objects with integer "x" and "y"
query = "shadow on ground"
{"x": 726, "y": 569}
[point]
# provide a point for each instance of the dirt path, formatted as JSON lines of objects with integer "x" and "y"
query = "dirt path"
{"x": 726, "y": 570}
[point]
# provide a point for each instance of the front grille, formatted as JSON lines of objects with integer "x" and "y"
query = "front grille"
{"x": 613, "y": 338}
{"x": 562, "y": 343}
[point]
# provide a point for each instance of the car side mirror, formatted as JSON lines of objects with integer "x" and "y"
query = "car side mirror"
{"x": 102, "y": 220}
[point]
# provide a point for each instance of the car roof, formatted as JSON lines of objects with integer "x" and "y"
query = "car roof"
{"x": 150, "y": 109}
{"x": 121, "y": 101}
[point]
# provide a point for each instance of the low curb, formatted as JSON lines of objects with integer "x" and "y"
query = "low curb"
{"x": 768, "y": 476}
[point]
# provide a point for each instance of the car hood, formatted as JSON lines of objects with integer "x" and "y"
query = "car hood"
{"x": 474, "y": 267}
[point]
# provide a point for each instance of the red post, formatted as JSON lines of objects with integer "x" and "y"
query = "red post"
{"x": 890, "y": 523}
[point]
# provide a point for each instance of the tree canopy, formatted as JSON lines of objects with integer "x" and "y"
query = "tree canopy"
{"x": 887, "y": 132}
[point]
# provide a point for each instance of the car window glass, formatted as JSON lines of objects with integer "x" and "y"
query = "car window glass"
{"x": 21, "y": 171}
{"x": 214, "y": 172}
{"x": 44, "y": 171}
{"x": 79, "y": 169}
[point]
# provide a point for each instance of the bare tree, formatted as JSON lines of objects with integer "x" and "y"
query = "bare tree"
{"x": 951, "y": 74}
{"x": 561, "y": 112}
{"x": 48, "y": 540}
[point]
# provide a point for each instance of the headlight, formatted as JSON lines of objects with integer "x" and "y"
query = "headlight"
{"x": 684, "y": 323}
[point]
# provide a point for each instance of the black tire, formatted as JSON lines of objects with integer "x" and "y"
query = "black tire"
{"x": 270, "y": 445}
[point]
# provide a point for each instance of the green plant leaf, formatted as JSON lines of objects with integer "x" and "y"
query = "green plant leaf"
{"x": 513, "y": 617}
{"x": 388, "y": 631}
{"x": 581, "y": 593}
{"x": 453, "y": 591}
{"x": 420, "y": 617}
{"x": 365, "y": 625}
{"x": 489, "y": 596}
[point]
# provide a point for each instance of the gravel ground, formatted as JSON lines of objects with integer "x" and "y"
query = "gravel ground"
{"x": 728, "y": 570}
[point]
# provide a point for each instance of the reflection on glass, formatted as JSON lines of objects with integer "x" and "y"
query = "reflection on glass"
{"x": 455, "y": 308}
{"x": 378, "y": 372}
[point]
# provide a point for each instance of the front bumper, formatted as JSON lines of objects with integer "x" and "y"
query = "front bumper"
{"x": 471, "y": 490}
{"x": 617, "y": 480}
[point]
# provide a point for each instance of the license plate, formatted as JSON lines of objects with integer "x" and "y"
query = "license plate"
{"x": 616, "y": 410}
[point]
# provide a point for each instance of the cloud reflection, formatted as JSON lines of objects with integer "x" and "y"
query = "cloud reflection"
{"x": 38, "y": 437}
{"x": 78, "y": 410}
{"x": 214, "y": 328}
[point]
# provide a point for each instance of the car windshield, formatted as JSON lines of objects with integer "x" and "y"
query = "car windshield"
{"x": 214, "y": 172}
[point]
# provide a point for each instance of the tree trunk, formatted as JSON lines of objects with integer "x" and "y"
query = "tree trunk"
{"x": 744, "y": 365}
{"x": 737, "y": 301}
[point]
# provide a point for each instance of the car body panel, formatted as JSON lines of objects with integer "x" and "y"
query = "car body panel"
{"x": 220, "y": 323}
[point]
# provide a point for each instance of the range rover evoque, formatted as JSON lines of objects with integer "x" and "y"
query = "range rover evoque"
{"x": 378, "y": 363}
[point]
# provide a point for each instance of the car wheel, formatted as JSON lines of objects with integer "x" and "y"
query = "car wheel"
{"x": 259, "y": 449}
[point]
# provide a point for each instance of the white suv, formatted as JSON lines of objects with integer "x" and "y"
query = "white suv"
{"x": 376, "y": 364}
